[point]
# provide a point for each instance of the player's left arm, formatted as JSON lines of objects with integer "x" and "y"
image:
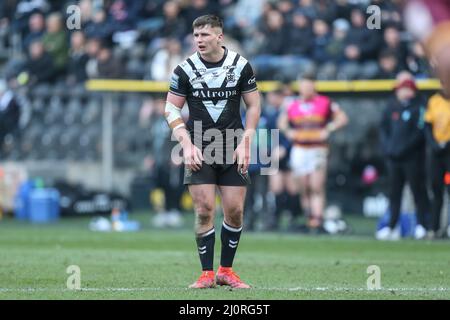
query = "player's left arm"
{"x": 253, "y": 112}
{"x": 252, "y": 101}
{"x": 339, "y": 118}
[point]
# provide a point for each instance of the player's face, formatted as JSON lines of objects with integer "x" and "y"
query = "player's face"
{"x": 405, "y": 93}
{"x": 207, "y": 39}
{"x": 307, "y": 89}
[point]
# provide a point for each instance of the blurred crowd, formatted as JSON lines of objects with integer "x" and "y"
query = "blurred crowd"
{"x": 145, "y": 39}
{"x": 283, "y": 39}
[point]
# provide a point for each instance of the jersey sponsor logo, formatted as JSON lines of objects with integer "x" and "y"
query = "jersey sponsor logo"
{"x": 174, "y": 81}
{"x": 209, "y": 94}
{"x": 252, "y": 80}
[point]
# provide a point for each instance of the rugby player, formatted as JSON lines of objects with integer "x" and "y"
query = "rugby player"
{"x": 308, "y": 122}
{"x": 212, "y": 82}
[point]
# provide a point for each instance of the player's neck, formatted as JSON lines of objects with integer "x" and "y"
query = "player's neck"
{"x": 308, "y": 98}
{"x": 215, "y": 56}
{"x": 445, "y": 95}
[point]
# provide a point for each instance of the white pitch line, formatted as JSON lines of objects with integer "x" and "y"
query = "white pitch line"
{"x": 306, "y": 289}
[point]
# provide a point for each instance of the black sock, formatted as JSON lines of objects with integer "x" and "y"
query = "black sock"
{"x": 230, "y": 240}
{"x": 280, "y": 204}
{"x": 205, "y": 246}
{"x": 294, "y": 204}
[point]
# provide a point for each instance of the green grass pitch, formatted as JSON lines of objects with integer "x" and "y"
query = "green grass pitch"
{"x": 160, "y": 264}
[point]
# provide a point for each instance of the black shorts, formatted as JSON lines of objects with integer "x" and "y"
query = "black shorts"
{"x": 218, "y": 174}
{"x": 284, "y": 162}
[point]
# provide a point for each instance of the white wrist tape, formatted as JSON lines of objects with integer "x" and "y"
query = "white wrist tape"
{"x": 173, "y": 116}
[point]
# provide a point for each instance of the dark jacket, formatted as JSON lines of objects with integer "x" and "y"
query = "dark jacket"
{"x": 300, "y": 40}
{"x": 9, "y": 114}
{"x": 402, "y": 127}
{"x": 41, "y": 69}
{"x": 274, "y": 41}
{"x": 368, "y": 42}
{"x": 76, "y": 67}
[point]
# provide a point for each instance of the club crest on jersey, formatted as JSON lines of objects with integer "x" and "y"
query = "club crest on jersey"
{"x": 306, "y": 106}
{"x": 230, "y": 76}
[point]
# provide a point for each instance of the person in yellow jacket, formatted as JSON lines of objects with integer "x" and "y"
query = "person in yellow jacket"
{"x": 437, "y": 118}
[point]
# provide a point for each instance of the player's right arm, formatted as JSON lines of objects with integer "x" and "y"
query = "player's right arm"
{"x": 283, "y": 125}
{"x": 175, "y": 101}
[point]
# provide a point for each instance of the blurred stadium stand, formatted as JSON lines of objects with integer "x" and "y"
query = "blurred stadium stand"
{"x": 62, "y": 119}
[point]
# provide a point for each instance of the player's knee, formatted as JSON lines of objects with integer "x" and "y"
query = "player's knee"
{"x": 234, "y": 216}
{"x": 204, "y": 212}
{"x": 317, "y": 191}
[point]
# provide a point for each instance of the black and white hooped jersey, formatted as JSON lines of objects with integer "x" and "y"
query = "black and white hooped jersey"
{"x": 213, "y": 90}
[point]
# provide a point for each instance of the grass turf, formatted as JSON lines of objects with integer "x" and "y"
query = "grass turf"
{"x": 157, "y": 264}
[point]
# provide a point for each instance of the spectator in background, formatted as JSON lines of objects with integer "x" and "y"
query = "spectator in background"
{"x": 284, "y": 52}
{"x": 283, "y": 193}
{"x": 100, "y": 27}
{"x": 165, "y": 60}
{"x": 40, "y": 66}
{"x": 437, "y": 119}
{"x": 153, "y": 8}
{"x": 124, "y": 14}
{"x": 286, "y": 8}
{"x": 392, "y": 41}
{"x": 78, "y": 58}
{"x": 87, "y": 9}
{"x": 23, "y": 10}
{"x": 197, "y": 8}
{"x": 243, "y": 20}
{"x": 326, "y": 10}
{"x": 343, "y": 9}
{"x": 388, "y": 65}
{"x": 7, "y": 10}
{"x": 360, "y": 52}
{"x": 402, "y": 138}
{"x": 171, "y": 25}
{"x": 92, "y": 49}
{"x": 55, "y": 42}
{"x": 390, "y": 12}
{"x": 168, "y": 174}
{"x": 174, "y": 25}
{"x": 109, "y": 67}
{"x": 36, "y": 25}
{"x": 300, "y": 35}
{"x": 269, "y": 61}
{"x": 334, "y": 50}
{"x": 307, "y": 6}
{"x": 417, "y": 61}
{"x": 321, "y": 41}
{"x": 299, "y": 50}
{"x": 9, "y": 111}
{"x": 255, "y": 205}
